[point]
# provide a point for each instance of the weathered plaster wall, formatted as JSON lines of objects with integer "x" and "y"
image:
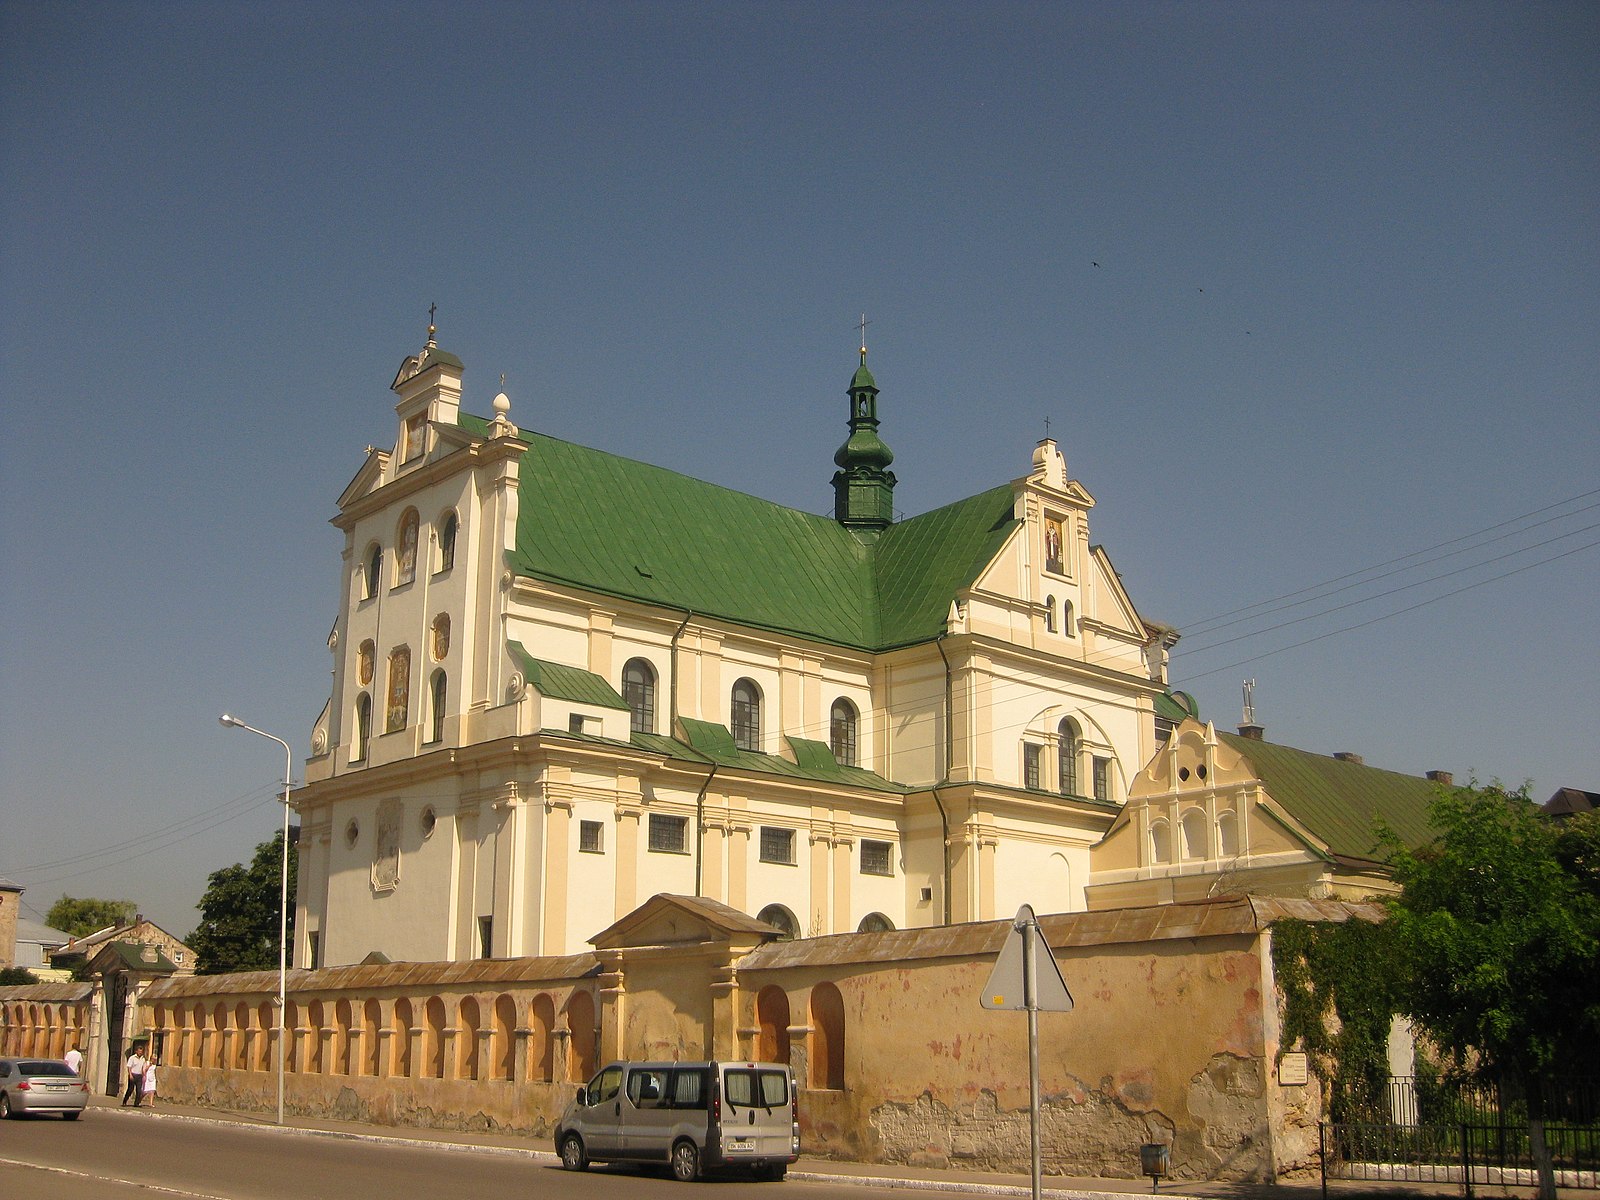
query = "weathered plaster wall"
{"x": 1166, "y": 1043}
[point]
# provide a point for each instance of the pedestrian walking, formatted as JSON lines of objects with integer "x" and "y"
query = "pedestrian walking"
{"x": 136, "y": 1066}
{"x": 74, "y": 1059}
{"x": 148, "y": 1088}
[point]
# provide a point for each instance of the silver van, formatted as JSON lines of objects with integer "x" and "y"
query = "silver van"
{"x": 696, "y": 1117}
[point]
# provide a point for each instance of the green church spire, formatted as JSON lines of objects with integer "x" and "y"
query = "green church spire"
{"x": 863, "y": 487}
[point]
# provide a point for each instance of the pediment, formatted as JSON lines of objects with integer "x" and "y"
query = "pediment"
{"x": 667, "y": 920}
{"x": 367, "y": 480}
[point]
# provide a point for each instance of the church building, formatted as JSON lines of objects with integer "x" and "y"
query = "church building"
{"x": 564, "y": 682}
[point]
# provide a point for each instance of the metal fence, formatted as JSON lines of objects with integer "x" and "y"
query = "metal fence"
{"x": 1429, "y": 1131}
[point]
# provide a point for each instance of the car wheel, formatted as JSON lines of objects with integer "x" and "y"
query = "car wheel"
{"x": 685, "y": 1162}
{"x": 776, "y": 1172}
{"x": 71, "y": 1116}
{"x": 572, "y": 1156}
{"x": 5, "y": 1106}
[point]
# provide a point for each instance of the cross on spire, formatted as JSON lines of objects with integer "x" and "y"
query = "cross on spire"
{"x": 864, "y": 324}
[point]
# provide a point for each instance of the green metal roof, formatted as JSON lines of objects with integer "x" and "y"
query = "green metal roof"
{"x": 630, "y": 529}
{"x": 566, "y": 683}
{"x": 711, "y": 742}
{"x": 1176, "y": 706}
{"x": 1341, "y": 802}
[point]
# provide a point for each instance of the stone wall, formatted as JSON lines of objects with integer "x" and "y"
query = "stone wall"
{"x": 1173, "y": 1037}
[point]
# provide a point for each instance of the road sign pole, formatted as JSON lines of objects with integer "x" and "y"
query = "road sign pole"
{"x": 1030, "y": 997}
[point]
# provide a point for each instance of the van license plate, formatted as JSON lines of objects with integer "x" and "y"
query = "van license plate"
{"x": 747, "y": 1145}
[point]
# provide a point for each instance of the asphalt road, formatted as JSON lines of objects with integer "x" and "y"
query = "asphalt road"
{"x": 122, "y": 1156}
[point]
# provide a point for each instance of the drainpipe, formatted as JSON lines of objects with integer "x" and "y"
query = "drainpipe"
{"x": 672, "y": 672}
{"x": 949, "y": 749}
{"x": 700, "y": 828}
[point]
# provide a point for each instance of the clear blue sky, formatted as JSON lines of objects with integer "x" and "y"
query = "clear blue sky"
{"x": 1346, "y": 308}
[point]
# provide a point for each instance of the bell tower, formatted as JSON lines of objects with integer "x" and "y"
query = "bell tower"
{"x": 863, "y": 486}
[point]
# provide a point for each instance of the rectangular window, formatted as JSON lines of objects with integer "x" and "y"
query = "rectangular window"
{"x": 591, "y": 837}
{"x": 1102, "y": 779}
{"x": 877, "y": 858}
{"x": 485, "y": 937}
{"x": 574, "y": 724}
{"x": 777, "y": 845}
{"x": 1030, "y": 767}
{"x": 669, "y": 835}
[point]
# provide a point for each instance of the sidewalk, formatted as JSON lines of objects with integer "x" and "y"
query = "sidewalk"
{"x": 822, "y": 1170}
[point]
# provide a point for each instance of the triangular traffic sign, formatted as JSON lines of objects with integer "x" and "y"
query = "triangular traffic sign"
{"x": 1008, "y": 982}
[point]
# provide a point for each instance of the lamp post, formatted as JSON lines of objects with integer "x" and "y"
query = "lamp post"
{"x": 283, "y": 901}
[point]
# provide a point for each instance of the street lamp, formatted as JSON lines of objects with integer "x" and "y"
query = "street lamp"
{"x": 231, "y": 722}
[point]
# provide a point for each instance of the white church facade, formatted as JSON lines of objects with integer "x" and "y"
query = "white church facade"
{"x": 564, "y": 682}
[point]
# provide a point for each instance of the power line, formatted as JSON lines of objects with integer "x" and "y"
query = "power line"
{"x": 1199, "y": 625}
{"x": 1391, "y": 592}
{"x": 1334, "y": 591}
{"x": 1398, "y": 612}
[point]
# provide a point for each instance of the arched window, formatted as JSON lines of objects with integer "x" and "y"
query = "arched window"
{"x": 747, "y": 716}
{"x": 399, "y": 694}
{"x": 371, "y": 1021}
{"x": 1193, "y": 826}
{"x": 219, "y": 1018}
{"x": 875, "y": 923}
{"x": 267, "y": 1023}
{"x": 503, "y": 1042}
{"x": 1068, "y": 743}
{"x": 241, "y": 1036}
{"x": 1227, "y": 835}
{"x": 195, "y": 1044}
{"x": 1068, "y": 624}
{"x": 842, "y": 732}
{"x": 433, "y": 1039}
{"x": 541, "y": 1039}
{"x": 1160, "y": 842}
{"x": 772, "y": 1020}
{"x": 1049, "y": 614}
{"x": 358, "y": 749}
{"x": 827, "y": 1037}
{"x": 400, "y": 1050}
{"x": 372, "y": 576}
{"x": 468, "y": 1022}
{"x": 447, "y": 542}
{"x": 436, "y": 700}
{"x": 313, "y": 1038}
{"x": 580, "y": 1037}
{"x": 639, "y": 690}
{"x": 341, "y": 1038}
{"x": 781, "y": 919}
{"x": 405, "y": 541}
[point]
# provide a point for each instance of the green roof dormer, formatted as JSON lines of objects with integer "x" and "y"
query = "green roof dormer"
{"x": 863, "y": 486}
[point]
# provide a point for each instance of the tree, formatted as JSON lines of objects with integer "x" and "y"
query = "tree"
{"x": 238, "y": 928}
{"x": 15, "y": 976}
{"x": 81, "y": 917}
{"x": 1501, "y": 934}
